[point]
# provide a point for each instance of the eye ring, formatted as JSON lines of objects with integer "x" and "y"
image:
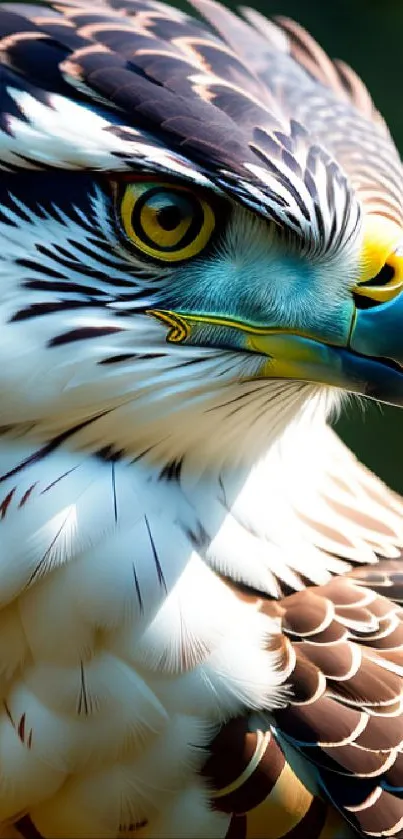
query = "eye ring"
{"x": 383, "y": 278}
{"x": 384, "y": 286}
{"x": 166, "y": 222}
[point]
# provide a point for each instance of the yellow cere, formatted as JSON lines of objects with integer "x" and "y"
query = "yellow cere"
{"x": 381, "y": 260}
{"x": 164, "y": 221}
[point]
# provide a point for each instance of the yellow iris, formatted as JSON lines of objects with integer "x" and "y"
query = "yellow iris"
{"x": 166, "y": 222}
{"x": 382, "y": 260}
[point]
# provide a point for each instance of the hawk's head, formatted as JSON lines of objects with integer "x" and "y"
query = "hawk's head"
{"x": 201, "y": 237}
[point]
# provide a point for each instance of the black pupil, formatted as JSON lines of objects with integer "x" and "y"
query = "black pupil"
{"x": 170, "y": 217}
{"x": 171, "y": 212}
{"x": 384, "y": 277}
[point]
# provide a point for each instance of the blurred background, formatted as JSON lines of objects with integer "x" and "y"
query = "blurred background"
{"x": 367, "y": 34}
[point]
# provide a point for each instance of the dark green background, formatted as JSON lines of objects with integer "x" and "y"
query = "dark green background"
{"x": 368, "y": 34}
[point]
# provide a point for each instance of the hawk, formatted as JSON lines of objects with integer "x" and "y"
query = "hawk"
{"x": 201, "y": 254}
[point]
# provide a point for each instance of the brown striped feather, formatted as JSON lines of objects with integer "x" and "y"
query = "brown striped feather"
{"x": 338, "y": 109}
{"x": 214, "y": 100}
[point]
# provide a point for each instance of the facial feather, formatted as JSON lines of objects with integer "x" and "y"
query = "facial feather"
{"x": 79, "y": 348}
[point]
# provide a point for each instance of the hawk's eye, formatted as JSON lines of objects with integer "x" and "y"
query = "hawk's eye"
{"x": 165, "y": 222}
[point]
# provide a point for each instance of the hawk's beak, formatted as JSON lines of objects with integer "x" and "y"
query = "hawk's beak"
{"x": 367, "y": 355}
{"x": 370, "y": 364}
{"x": 366, "y": 360}
{"x": 378, "y": 332}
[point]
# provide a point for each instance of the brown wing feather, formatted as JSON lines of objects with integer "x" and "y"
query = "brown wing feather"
{"x": 351, "y": 727}
{"x": 386, "y": 578}
{"x": 340, "y": 738}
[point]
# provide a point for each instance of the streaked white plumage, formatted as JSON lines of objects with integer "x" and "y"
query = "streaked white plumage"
{"x": 119, "y": 686}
